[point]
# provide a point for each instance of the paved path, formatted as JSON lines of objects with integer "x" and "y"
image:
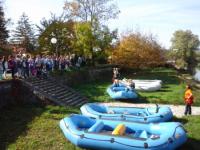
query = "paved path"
{"x": 178, "y": 110}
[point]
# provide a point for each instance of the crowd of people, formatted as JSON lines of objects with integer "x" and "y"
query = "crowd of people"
{"x": 24, "y": 66}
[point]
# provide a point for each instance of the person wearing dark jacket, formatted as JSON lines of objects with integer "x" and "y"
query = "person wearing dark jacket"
{"x": 11, "y": 65}
{"x": 25, "y": 68}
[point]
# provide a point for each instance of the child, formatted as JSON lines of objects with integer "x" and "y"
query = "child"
{"x": 188, "y": 97}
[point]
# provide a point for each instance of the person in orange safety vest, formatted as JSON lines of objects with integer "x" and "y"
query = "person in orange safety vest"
{"x": 188, "y": 97}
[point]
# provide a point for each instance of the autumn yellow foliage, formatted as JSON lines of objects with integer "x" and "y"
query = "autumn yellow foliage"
{"x": 138, "y": 51}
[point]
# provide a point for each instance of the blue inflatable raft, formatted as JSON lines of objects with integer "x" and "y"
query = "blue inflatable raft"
{"x": 121, "y": 92}
{"x": 102, "y": 134}
{"x": 149, "y": 114}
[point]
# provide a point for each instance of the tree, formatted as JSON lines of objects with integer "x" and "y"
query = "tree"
{"x": 24, "y": 33}
{"x": 102, "y": 41}
{"x": 138, "y": 51}
{"x": 184, "y": 44}
{"x": 83, "y": 39}
{"x": 105, "y": 37}
{"x": 45, "y": 23}
{"x": 63, "y": 32}
{"x": 93, "y": 12}
{"x": 3, "y": 30}
{"x": 105, "y": 43}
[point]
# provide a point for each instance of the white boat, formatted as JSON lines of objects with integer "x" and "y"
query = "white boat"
{"x": 143, "y": 85}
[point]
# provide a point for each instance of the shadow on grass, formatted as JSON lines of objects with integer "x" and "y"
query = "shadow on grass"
{"x": 165, "y": 87}
{"x": 166, "y": 77}
{"x": 62, "y": 110}
{"x": 14, "y": 120}
{"x": 191, "y": 144}
{"x": 163, "y": 90}
{"x": 182, "y": 120}
{"x": 138, "y": 100}
{"x": 95, "y": 91}
{"x": 135, "y": 101}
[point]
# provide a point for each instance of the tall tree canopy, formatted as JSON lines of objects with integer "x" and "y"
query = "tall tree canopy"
{"x": 45, "y": 23}
{"x": 24, "y": 33}
{"x": 101, "y": 40}
{"x": 3, "y": 30}
{"x": 92, "y": 14}
{"x": 184, "y": 44}
{"x": 83, "y": 38}
{"x": 138, "y": 51}
{"x": 64, "y": 34}
{"x": 91, "y": 10}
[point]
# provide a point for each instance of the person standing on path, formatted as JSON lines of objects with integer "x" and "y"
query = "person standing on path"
{"x": 188, "y": 97}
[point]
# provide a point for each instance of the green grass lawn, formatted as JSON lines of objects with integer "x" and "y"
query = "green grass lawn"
{"x": 95, "y": 92}
{"x": 172, "y": 90}
{"x": 25, "y": 127}
{"x": 36, "y": 127}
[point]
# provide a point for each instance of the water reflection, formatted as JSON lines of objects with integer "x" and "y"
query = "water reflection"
{"x": 197, "y": 75}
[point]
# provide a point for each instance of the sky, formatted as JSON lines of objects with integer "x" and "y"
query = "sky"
{"x": 158, "y": 17}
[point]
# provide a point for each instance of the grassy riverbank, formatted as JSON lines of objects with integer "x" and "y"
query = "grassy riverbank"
{"x": 172, "y": 90}
{"x": 36, "y": 126}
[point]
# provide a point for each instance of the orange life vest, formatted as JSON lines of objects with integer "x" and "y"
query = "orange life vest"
{"x": 188, "y": 97}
